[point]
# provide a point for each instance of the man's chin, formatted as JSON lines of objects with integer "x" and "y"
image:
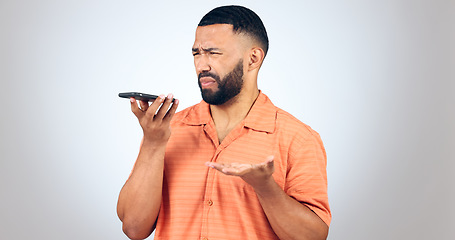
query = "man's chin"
{"x": 211, "y": 97}
{"x": 207, "y": 93}
{"x": 208, "y": 98}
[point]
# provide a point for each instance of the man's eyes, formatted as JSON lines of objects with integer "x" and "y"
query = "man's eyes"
{"x": 210, "y": 53}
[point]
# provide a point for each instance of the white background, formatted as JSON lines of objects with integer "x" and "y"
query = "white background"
{"x": 375, "y": 78}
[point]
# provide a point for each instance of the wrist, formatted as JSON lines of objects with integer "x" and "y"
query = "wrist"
{"x": 153, "y": 144}
{"x": 267, "y": 188}
{"x": 151, "y": 153}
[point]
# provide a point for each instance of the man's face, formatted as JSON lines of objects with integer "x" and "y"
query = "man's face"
{"x": 217, "y": 52}
{"x": 228, "y": 88}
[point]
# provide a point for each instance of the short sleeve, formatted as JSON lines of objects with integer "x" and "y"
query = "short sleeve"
{"x": 306, "y": 179}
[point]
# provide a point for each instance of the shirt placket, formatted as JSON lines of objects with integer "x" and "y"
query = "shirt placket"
{"x": 208, "y": 203}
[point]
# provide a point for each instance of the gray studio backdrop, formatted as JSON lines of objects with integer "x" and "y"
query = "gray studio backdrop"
{"x": 374, "y": 78}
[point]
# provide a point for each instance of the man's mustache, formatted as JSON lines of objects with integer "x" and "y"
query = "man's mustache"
{"x": 208, "y": 74}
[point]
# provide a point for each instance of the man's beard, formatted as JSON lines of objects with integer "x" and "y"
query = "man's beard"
{"x": 229, "y": 87}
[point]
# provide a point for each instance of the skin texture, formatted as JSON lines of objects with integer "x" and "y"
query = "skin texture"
{"x": 217, "y": 51}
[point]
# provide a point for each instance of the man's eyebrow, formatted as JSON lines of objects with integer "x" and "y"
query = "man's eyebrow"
{"x": 205, "y": 49}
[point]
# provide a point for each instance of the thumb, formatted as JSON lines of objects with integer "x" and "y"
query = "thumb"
{"x": 269, "y": 161}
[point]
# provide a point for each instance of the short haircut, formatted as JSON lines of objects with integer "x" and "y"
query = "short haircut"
{"x": 242, "y": 19}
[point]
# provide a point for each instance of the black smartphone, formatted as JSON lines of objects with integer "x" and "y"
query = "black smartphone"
{"x": 139, "y": 96}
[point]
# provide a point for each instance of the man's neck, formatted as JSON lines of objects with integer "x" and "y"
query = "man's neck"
{"x": 230, "y": 114}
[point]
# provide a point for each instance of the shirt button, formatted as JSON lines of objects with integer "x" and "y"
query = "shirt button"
{"x": 210, "y": 202}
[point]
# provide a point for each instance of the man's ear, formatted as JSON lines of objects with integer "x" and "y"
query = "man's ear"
{"x": 256, "y": 58}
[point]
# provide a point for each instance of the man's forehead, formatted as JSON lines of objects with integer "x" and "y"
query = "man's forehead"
{"x": 221, "y": 27}
{"x": 214, "y": 32}
{"x": 211, "y": 36}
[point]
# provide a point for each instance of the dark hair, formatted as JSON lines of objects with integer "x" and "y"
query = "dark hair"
{"x": 242, "y": 19}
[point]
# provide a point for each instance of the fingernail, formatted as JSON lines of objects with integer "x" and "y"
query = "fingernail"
{"x": 132, "y": 100}
{"x": 169, "y": 96}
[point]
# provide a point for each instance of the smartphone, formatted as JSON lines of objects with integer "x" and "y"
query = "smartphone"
{"x": 139, "y": 96}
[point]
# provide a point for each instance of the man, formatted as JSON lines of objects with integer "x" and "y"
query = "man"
{"x": 234, "y": 166}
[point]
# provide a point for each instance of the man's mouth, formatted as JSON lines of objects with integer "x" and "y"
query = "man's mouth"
{"x": 206, "y": 82}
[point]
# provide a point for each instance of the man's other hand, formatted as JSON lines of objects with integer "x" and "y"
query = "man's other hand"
{"x": 257, "y": 175}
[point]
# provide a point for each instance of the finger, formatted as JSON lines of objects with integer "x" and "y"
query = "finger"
{"x": 134, "y": 108}
{"x": 155, "y": 105}
{"x": 218, "y": 166}
{"x": 164, "y": 108}
{"x": 266, "y": 164}
{"x": 172, "y": 110}
{"x": 144, "y": 105}
{"x": 234, "y": 169}
{"x": 214, "y": 165}
{"x": 269, "y": 161}
{"x": 237, "y": 170}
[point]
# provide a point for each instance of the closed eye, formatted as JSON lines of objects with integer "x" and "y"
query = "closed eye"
{"x": 195, "y": 51}
{"x": 209, "y": 51}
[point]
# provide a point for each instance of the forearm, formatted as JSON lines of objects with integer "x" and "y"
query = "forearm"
{"x": 140, "y": 198}
{"x": 289, "y": 218}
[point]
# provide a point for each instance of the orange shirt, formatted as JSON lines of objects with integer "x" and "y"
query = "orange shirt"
{"x": 201, "y": 203}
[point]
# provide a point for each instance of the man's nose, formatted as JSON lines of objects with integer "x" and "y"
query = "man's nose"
{"x": 202, "y": 64}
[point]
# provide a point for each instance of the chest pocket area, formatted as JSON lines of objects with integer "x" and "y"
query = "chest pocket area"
{"x": 252, "y": 148}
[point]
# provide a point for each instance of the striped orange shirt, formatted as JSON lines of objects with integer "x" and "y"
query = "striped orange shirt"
{"x": 201, "y": 203}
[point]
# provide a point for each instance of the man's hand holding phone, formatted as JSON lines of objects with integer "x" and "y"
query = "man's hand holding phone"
{"x": 140, "y": 198}
{"x": 155, "y": 118}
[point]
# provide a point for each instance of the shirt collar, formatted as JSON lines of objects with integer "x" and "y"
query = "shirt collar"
{"x": 262, "y": 116}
